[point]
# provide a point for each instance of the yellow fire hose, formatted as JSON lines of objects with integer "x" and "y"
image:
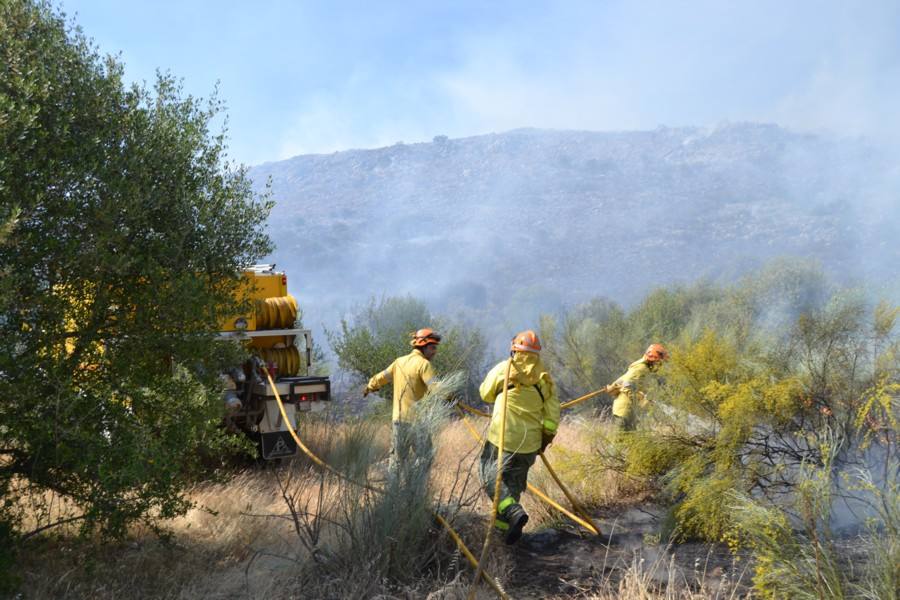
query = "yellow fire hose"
{"x": 580, "y": 399}
{"x": 540, "y": 494}
{"x": 306, "y": 450}
{"x": 480, "y": 572}
{"x": 276, "y": 313}
{"x": 570, "y": 403}
{"x": 497, "y": 481}
{"x": 473, "y": 410}
{"x": 471, "y": 557}
{"x": 584, "y": 519}
{"x": 571, "y": 498}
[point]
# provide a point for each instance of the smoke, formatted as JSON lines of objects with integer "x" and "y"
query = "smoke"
{"x": 500, "y": 228}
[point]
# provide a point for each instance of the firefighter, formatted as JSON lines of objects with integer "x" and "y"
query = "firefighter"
{"x": 412, "y": 375}
{"x": 627, "y": 388}
{"x": 531, "y": 421}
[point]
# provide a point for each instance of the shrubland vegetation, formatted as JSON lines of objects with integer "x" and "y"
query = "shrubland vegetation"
{"x": 369, "y": 340}
{"x": 773, "y": 432}
{"x": 778, "y": 412}
{"x": 375, "y": 524}
{"x": 773, "y": 429}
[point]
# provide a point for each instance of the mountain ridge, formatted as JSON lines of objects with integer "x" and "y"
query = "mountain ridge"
{"x": 556, "y": 217}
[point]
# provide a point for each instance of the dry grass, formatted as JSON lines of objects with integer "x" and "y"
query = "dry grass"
{"x": 240, "y": 541}
{"x": 221, "y": 549}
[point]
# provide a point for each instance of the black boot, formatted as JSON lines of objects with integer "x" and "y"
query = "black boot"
{"x": 516, "y": 517}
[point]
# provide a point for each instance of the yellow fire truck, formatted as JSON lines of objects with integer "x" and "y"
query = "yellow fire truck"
{"x": 268, "y": 330}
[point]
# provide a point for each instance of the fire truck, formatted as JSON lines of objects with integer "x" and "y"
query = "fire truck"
{"x": 276, "y": 346}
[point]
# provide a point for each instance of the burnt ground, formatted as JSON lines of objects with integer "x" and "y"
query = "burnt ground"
{"x": 568, "y": 562}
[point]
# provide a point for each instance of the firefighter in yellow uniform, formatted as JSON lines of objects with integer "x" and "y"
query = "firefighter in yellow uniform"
{"x": 628, "y": 387}
{"x": 532, "y": 417}
{"x": 411, "y": 375}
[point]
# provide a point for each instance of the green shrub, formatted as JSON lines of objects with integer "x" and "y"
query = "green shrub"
{"x": 794, "y": 545}
{"x": 758, "y": 370}
{"x": 380, "y": 332}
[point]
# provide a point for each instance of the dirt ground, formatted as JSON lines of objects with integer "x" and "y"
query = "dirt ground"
{"x": 222, "y": 549}
{"x": 566, "y": 562}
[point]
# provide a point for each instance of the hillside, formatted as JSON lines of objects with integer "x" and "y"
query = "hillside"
{"x": 526, "y": 220}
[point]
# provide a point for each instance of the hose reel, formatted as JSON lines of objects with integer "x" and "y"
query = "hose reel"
{"x": 276, "y": 313}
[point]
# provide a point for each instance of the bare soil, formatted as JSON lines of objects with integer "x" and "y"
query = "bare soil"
{"x": 566, "y": 562}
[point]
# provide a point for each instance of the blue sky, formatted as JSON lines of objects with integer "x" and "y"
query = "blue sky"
{"x": 302, "y": 77}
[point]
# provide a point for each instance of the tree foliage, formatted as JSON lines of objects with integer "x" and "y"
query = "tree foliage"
{"x": 123, "y": 233}
{"x": 380, "y": 332}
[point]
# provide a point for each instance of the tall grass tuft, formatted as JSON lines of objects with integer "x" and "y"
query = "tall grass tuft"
{"x": 379, "y": 532}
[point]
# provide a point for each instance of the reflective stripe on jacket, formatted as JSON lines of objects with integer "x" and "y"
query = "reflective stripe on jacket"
{"x": 528, "y": 414}
{"x": 411, "y": 376}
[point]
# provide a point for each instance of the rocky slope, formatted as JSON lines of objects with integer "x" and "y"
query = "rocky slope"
{"x": 510, "y": 224}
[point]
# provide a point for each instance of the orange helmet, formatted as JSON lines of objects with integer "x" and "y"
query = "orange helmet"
{"x": 527, "y": 341}
{"x": 656, "y": 352}
{"x": 425, "y": 336}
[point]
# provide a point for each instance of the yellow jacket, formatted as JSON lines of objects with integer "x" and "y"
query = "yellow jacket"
{"x": 628, "y": 386}
{"x": 528, "y": 414}
{"x": 411, "y": 376}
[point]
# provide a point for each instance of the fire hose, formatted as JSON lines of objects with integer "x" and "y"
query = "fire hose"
{"x": 604, "y": 390}
{"x": 584, "y": 522}
{"x": 582, "y": 517}
{"x": 276, "y": 313}
{"x": 497, "y": 484}
{"x": 480, "y": 572}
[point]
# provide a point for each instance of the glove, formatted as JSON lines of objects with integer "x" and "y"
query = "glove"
{"x": 546, "y": 440}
